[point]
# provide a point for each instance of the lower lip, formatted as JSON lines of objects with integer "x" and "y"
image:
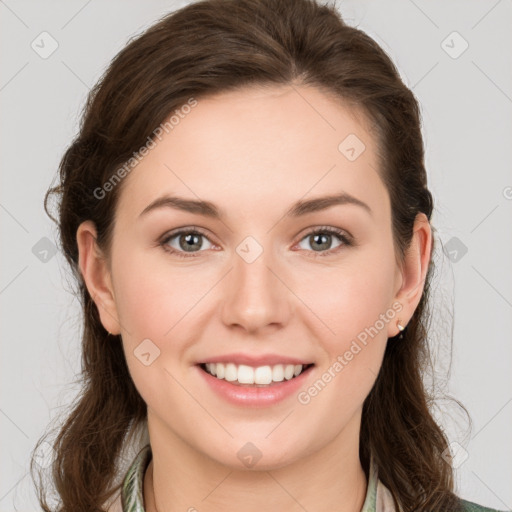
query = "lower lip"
{"x": 255, "y": 396}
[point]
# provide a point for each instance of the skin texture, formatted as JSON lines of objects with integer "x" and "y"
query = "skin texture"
{"x": 254, "y": 153}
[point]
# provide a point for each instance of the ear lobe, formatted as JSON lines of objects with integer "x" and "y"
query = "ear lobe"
{"x": 415, "y": 267}
{"x": 96, "y": 275}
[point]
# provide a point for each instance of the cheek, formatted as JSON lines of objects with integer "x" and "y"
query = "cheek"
{"x": 153, "y": 297}
{"x": 355, "y": 313}
{"x": 348, "y": 300}
{"x": 152, "y": 303}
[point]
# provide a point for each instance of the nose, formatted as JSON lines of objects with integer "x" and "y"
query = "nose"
{"x": 256, "y": 297}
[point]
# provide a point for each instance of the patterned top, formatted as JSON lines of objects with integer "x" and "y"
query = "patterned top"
{"x": 378, "y": 497}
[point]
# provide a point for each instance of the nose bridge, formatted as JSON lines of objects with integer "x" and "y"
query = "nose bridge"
{"x": 256, "y": 297}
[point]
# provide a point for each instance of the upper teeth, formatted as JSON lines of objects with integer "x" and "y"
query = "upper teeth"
{"x": 248, "y": 375}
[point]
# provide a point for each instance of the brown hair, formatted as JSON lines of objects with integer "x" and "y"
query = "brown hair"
{"x": 206, "y": 48}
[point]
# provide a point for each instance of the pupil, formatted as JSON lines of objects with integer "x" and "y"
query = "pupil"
{"x": 190, "y": 241}
{"x": 325, "y": 245}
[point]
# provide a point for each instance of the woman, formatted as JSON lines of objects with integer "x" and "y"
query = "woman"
{"x": 247, "y": 214}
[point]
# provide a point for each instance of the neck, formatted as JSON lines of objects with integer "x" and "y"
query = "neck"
{"x": 179, "y": 478}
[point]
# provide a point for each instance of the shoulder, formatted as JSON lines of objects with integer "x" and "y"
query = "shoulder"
{"x": 469, "y": 506}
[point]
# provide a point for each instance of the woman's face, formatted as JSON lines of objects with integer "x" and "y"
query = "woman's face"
{"x": 252, "y": 281}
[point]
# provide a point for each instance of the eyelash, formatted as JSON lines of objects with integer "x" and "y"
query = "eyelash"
{"x": 346, "y": 239}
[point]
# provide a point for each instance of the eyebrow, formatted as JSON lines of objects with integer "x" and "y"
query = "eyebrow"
{"x": 208, "y": 209}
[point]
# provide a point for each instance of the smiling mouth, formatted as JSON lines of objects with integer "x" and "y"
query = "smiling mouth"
{"x": 248, "y": 376}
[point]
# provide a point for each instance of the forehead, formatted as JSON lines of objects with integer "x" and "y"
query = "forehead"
{"x": 260, "y": 146}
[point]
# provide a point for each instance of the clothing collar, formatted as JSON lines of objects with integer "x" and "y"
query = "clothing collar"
{"x": 378, "y": 497}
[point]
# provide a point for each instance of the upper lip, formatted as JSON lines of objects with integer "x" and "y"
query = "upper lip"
{"x": 255, "y": 360}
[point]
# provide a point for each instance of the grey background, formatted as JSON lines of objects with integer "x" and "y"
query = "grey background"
{"x": 466, "y": 106}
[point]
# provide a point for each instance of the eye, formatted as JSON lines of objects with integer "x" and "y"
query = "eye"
{"x": 187, "y": 241}
{"x": 321, "y": 238}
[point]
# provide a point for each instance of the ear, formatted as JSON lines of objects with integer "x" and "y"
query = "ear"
{"x": 413, "y": 272}
{"x": 96, "y": 274}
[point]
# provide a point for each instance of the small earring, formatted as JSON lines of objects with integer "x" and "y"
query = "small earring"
{"x": 401, "y": 328}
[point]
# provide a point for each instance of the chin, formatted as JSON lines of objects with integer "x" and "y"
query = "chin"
{"x": 257, "y": 456}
